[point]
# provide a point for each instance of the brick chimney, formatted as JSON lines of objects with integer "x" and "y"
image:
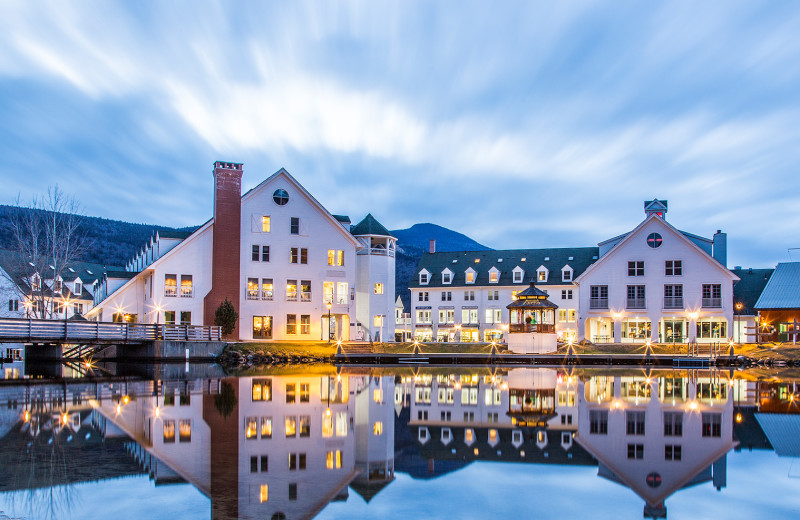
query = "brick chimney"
{"x": 432, "y": 246}
{"x": 226, "y": 248}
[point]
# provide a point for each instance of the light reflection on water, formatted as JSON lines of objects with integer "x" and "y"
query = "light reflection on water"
{"x": 466, "y": 442}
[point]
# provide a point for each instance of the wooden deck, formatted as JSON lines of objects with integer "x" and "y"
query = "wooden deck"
{"x": 20, "y": 330}
{"x": 545, "y": 360}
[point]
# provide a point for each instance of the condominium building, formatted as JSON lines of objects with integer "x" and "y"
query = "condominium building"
{"x": 293, "y": 270}
{"x": 462, "y": 296}
{"x": 654, "y": 283}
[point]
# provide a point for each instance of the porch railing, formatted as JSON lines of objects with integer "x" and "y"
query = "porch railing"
{"x": 542, "y": 328}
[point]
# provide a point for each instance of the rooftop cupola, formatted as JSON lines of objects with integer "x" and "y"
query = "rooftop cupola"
{"x": 655, "y": 207}
{"x": 375, "y": 239}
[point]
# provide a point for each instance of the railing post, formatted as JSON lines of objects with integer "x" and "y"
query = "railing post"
{"x": 97, "y": 330}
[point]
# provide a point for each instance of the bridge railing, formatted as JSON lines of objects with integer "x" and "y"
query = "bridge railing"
{"x": 21, "y": 329}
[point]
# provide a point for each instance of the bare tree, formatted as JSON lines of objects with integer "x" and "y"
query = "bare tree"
{"x": 47, "y": 239}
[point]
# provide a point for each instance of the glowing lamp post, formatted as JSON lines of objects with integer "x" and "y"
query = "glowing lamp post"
{"x": 66, "y": 303}
{"x": 329, "y": 322}
{"x": 738, "y": 308}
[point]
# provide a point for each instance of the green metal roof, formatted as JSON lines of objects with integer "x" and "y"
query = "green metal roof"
{"x": 554, "y": 259}
{"x": 370, "y": 226}
{"x": 749, "y": 288}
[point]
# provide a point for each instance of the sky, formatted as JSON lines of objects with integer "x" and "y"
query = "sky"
{"x": 521, "y": 124}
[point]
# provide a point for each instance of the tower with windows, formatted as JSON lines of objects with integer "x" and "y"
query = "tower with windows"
{"x": 375, "y": 265}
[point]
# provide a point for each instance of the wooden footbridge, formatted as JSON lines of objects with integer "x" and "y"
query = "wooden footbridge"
{"x": 77, "y": 339}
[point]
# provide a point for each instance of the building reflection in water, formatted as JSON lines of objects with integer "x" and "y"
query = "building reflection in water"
{"x": 284, "y": 446}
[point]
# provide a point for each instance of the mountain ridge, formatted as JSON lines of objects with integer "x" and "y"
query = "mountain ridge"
{"x": 115, "y": 242}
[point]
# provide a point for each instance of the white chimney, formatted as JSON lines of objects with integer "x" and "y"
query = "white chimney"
{"x": 432, "y": 246}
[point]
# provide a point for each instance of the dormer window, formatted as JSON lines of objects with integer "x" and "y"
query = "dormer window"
{"x": 57, "y": 286}
{"x": 566, "y": 274}
{"x": 494, "y": 275}
{"x": 541, "y": 274}
{"x": 78, "y": 288}
{"x": 447, "y": 276}
{"x": 517, "y": 274}
{"x": 469, "y": 275}
{"x": 36, "y": 282}
{"x": 424, "y": 277}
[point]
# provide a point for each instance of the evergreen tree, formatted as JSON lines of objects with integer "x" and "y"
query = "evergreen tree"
{"x": 225, "y": 316}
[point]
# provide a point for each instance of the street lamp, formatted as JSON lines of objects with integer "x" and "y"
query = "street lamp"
{"x": 329, "y": 321}
{"x": 66, "y": 303}
{"x": 738, "y": 308}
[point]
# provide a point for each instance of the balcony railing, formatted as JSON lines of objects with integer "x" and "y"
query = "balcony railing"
{"x": 186, "y": 292}
{"x": 673, "y": 302}
{"x": 542, "y": 328}
{"x": 598, "y": 303}
{"x": 636, "y": 303}
{"x": 379, "y": 251}
{"x": 712, "y": 303}
{"x": 252, "y": 295}
{"x": 291, "y": 296}
{"x": 266, "y": 295}
{"x": 305, "y": 296}
{"x": 170, "y": 291}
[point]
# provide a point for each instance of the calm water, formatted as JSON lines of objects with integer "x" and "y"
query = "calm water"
{"x": 184, "y": 442}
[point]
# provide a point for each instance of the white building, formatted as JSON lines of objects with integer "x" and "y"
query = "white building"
{"x": 291, "y": 269}
{"x": 657, "y": 435}
{"x": 656, "y": 283}
{"x": 462, "y": 296}
{"x": 26, "y": 293}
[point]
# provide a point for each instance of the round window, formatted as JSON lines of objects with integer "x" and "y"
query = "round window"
{"x": 280, "y": 197}
{"x": 653, "y": 480}
{"x": 654, "y": 240}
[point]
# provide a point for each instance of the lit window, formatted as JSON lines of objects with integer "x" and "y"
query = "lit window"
{"x": 378, "y": 321}
{"x": 263, "y": 494}
{"x": 266, "y": 427}
{"x": 262, "y": 389}
{"x": 470, "y": 276}
{"x": 333, "y": 459}
{"x": 170, "y": 285}
{"x": 378, "y": 288}
{"x": 169, "y": 430}
{"x": 469, "y": 435}
{"x": 185, "y": 430}
{"x": 377, "y": 395}
{"x": 291, "y": 426}
{"x": 377, "y": 428}
{"x": 186, "y": 285}
{"x": 251, "y": 428}
{"x": 265, "y": 224}
{"x": 542, "y": 276}
{"x": 335, "y": 257}
{"x": 494, "y": 276}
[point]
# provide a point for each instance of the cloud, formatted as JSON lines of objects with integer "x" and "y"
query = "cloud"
{"x": 571, "y": 114}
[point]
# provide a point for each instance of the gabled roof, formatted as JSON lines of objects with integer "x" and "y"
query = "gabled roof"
{"x": 181, "y": 235}
{"x": 370, "y": 226}
{"x": 749, "y": 288}
{"x": 781, "y": 430}
{"x": 783, "y": 288}
{"x": 676, "y": 232}
{"x": 314, "y": 202}
{"x": 12, "y": 263}
{"x": 344, "y": 219}
{"x": 579, "y": 258}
